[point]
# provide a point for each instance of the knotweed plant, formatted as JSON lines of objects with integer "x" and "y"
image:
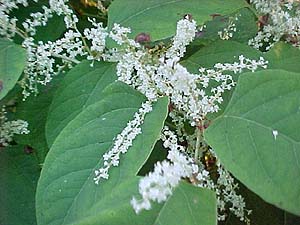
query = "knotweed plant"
{"x": 164, "y": 76}
{"x": 115, "y": 77}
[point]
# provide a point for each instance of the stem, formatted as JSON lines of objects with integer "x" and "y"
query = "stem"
{"x": 21, "y": 33}
{"x": 86, "y": 45}
{"x": 197, "y": 147}
{"x": 24, "y": 35}
{"x": 83, "y": 41}
{"x": 65, "y": 58}
{"x": 170, "y": 125}
{"x": 95, "y": 16}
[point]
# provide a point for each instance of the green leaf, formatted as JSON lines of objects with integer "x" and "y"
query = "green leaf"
{"x": 219, "y": 52}
{"x": 35, "y": 111}
{"x": 245, "y": 24}
{"x": 66, "y": 191}
{"x": 257, "y": 137}
{"x": 12, "y": 62}
{"x": 139, "y": 15}
{"x": 189, "y": 205}
{"x": 284, "y": 56}
{"x": 19, "y": 173}
{"x": 81, "y": 87}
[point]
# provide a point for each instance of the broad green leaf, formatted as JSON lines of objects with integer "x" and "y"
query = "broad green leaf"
{"x": 189, "y": 205}
{"x": 12, "y": 62}
{"x": 257, "y": 137}
{"x": 35, "y": 110}
{"x": 66, "y": 191}
{"x": 19, "y": 173}
{"x": 139, "y": 15}
{"x": 81, "y": 87}
{"x": 244, "y": 21}
{"x": 219, "y": 52}
{"x": 284, "y": 56}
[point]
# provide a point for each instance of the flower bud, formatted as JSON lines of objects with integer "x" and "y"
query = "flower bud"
{"x": 142, "y": 38}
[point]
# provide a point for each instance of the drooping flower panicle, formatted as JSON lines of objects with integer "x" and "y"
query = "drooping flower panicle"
{"x": 123, "y": 142}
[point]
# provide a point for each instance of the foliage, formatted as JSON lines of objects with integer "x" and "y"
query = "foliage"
{"x": 149, "y": 112}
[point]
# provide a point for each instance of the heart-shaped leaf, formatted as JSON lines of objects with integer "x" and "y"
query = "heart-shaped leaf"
{"x": 138, "y": 15}
{"x": 12, "y": 62}
{"x": 257, "y": 138}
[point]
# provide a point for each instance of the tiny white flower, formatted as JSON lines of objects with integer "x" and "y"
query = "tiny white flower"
{"x": 275, "y": 134}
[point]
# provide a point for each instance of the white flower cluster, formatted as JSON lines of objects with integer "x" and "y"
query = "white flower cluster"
{"x": 243, "y": 63}
{"x": 153, "y": 75}
{"x": 185, "y": 33}
{"x": 8, "y": 24}
{"x": 163, "y": 75}
{"x": 159, "y": 184}
{"x": 122, "y": 142}
{"x": 119, "y": 34}
{"x": 37, "y": 19}
{"x": 60, "y": 7}
{"x": 9, "y": 128}
{"x": 280, "y": 20}
{"x": 228, "y": 31}
{"x": 225, "y": 188}
{"x": 97, "y": 36}
{"x": 226, "y": 193}
{"x": 41, "y": 65}
{"x": 44, "y": 60}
